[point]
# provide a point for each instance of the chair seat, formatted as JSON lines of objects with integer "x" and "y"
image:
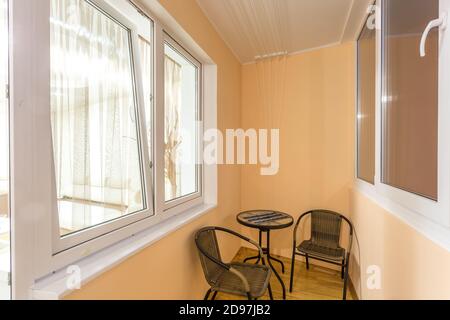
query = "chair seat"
{"x": 257, "y": 276}
{"x": 314, "y": 250}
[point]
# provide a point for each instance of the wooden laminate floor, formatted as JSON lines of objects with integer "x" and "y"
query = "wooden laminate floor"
{"x": 317, "y": 283}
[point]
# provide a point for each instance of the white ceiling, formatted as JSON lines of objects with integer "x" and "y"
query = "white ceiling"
{"x": 255, "y": 28}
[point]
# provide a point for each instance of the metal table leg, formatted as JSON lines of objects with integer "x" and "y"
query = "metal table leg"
{"x": 269, "y": 260}
{"x": 280, "y": 262}
{"x": 266, "y": 251}
{"x": 258, "y": 257}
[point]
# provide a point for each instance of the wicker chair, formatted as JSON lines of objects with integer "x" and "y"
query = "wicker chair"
{"x": 324, "y": 244}
{"x": 241, "y": 279}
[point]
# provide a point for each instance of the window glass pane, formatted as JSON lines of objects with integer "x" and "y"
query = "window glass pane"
{"x": 5, "y": 257}
{"x": 94, "y": 117}
{"x": 144, "y": 29}
{"x": 410, "y": 97}
{"x": 366, "y": 104}
{"x": 181, "y": 105}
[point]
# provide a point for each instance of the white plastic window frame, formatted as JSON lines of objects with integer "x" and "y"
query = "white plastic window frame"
{"x": 186, "y": 202}
{"x": 33, "y": 195}
{"x": 74, "y": 239}
{"x": 357, "y": 103}
{"x": 424, "y": 214}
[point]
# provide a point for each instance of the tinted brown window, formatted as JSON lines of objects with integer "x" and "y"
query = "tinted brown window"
{"x": 410, "y": 97}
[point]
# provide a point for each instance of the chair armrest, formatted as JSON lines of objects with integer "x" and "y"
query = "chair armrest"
{"x": 243, "y": 279}
{"x": 350, "y": 225}
{"x": 350, "y": 242}
{"x": 261, "y": 252}
{"x": 230, "y": 269}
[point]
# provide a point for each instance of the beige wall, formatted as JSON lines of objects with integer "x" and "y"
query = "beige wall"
{"x": 170, "y": 268}
{"x": 310, "y": 98}
{"x": 412, "y": 266}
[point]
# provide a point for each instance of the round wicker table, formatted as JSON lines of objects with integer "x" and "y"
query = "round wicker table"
{"x": 265, "y": 221}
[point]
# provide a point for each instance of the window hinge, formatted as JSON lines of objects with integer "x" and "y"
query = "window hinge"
{"x": 7, "y": 91}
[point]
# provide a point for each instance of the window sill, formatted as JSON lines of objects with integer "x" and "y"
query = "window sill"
{"x": 54, "y": 287}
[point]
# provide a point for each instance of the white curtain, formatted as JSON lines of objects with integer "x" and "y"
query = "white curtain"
{"x": 4, "y": 127}
{"x": 93, "y": 114}
{"x": 173, "y": 139}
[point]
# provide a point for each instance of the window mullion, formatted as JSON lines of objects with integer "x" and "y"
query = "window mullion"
{"x": 159, "y": 120}
{"x": 31, "y": 151}
{"x": 378, "y": 95}
{"x": 142, "y": 131}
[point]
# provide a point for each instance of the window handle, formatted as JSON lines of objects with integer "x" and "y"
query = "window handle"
{"x": 441, "y": 22}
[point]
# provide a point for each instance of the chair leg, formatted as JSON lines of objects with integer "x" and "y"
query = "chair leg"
{"x": 270, "y": 292}
{"x": 207, "y": 294}
{"x": 292, "y": 270}
{"x": 307, "y": 262}
{"x": 249, "y": 296}
{"x": 214, "y": 295}
{"x": 345, "y": 282}
{"x": 343, "y": 269}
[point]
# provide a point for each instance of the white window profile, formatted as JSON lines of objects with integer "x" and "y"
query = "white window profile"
{"x": 365, "y": 119}
{"x": 41, "y": 245}
{"x": 427, "y": 213}
{"x": 103, "y": 173}
{"x": 187, "y": 189}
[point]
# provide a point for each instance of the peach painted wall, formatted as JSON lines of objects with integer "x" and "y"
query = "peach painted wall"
{"x": 412, "y": 266}
{"x": 310, "y": 98}
{"x": 170, "y": 269}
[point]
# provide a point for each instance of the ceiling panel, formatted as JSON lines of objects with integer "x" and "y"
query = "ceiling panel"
{"x": 256, "y": 28}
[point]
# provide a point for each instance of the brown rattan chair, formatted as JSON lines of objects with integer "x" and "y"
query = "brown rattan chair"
{"x": 324, "y": 244}
{"x": 241, "y": 279}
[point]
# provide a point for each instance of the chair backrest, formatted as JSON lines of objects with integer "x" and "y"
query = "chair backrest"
{"x": 326, "y": 228}
{"x": 206, "y": 241}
